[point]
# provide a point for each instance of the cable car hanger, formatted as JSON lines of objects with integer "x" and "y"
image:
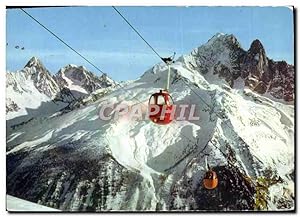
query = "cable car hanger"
{"x": 168, "y": 61}
{"x": 162, "y": 99}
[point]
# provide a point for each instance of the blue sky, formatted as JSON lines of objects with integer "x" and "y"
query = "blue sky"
{"x": 103, "y": 37}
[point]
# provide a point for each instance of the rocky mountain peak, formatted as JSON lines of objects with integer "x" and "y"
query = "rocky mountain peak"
{"x": 34, "y": 62}
{"x": 256, "y": 68}
{"x": 79, "y": 79}
{"x": 227, "y": 40}
{"x": 256, "y": 47}
{"x": 222, "y": 55}
{"x": 217, "y": 36}
{"x": 41, "y": 77}
{"x": 35, "y": 68}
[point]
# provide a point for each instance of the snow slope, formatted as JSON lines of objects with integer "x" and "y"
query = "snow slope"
{"x": 14, "y": 204}
{"x": 76, "y": 161}
{"x": 22, "y": 91}
{"x": 30, "y": 93}
{"x": 73, "y": 86}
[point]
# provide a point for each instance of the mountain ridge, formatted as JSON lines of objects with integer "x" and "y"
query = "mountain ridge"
{"x": 223, "y": 55}
{"x": 36, "y": 81}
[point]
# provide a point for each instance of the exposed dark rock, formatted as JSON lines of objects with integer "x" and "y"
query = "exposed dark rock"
{"x": 225, "y": 57}
{"x": 234, "y": 192}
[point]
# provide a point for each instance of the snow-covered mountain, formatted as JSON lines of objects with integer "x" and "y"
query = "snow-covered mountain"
{"x": 33, "y": 91}
{"x": 41, "y": 77}
{"x": 81, "y": 81}
{"x": 223, "y": 55}
{"x": 76, "y": 161}
{"x": 29, "y": 93}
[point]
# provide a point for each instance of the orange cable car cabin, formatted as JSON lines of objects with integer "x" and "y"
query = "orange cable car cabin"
{"x": 210, "y": 180}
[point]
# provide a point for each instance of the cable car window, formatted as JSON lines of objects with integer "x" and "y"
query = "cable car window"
{"x": 160, "y": 100}
{"x": 152, "y": 100}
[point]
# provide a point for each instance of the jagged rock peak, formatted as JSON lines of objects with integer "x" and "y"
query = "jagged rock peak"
{"x": 224, "y": 38}
{"x": 217, "y": 35}
{"x": 34, "y": 61}
{"x": 79, "y": 78}
{"x": 256, "y": 47}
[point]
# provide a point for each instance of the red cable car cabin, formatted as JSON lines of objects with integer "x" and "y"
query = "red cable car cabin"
{"x": 164, "y": 101}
